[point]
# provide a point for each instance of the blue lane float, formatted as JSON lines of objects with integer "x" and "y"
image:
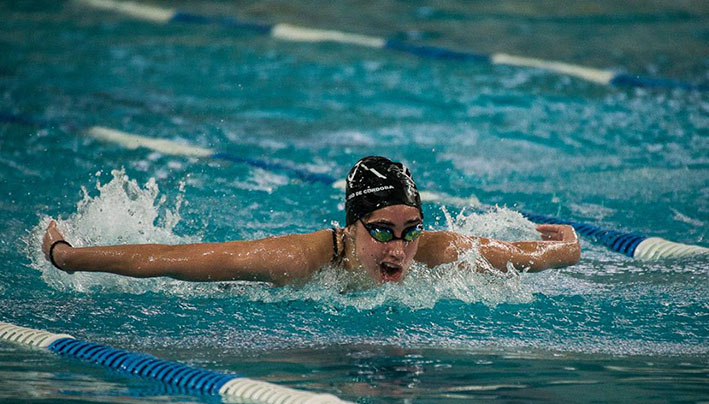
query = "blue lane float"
{"x": 620, "y": 242}
{"x": 294, "y": 33}
{"x": 631, "y": 244}
{"x": 148, "y": 366}
{"x": 184, "y": 377}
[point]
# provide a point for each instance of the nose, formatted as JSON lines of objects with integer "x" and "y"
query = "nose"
{"x": 395, "y": 249}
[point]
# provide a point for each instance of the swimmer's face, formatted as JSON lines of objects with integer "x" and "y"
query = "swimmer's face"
{"x": 390, "y": 261}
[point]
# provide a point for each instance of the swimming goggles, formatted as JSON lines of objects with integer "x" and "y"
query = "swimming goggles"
{"x": 385, "y": 235}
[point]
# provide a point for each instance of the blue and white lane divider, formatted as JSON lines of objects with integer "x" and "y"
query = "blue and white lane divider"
{"x": 294, "y": 33}
{"x": 633, "y": 245}
{"x": 171, "y": 148}
{"x": 175, "y": 374}
{"x": 168, "y": 147}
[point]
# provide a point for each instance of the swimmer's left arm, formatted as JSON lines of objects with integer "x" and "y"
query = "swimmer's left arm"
{"x": 559, "y": 247}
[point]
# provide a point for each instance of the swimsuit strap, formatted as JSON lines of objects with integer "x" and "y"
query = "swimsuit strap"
{"x": 336, "y": 253}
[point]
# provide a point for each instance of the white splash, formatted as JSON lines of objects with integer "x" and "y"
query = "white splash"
{"x": 423, "y": 288}
{"x": 123, "y": 212}
{"x": 499, "y": 223}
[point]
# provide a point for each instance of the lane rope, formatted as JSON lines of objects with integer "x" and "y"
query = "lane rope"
{"x": 631, "y": 244}
{"x": 293, "y": 33}
{"x": 175, "y": 374}
{"x": 168, "y": 147}
{"x": 634, "y": 245}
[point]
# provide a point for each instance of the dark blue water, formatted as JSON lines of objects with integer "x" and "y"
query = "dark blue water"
{"x": 608, "y": 329}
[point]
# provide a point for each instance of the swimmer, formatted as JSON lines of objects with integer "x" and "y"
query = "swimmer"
{"x": 383, "y": 236}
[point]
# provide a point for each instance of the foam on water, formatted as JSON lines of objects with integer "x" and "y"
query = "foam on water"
{"x": 123, "y": 212}
{"x": 262, "y": 180}
{"x": 423, "y": 288}
{"x": 500, "y": 223}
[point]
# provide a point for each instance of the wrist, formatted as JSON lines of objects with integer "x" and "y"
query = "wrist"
{"x": 57, "y": 253}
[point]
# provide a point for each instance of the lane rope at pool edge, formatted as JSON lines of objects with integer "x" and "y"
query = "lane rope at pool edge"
{"x": 294, "y": 33}
{"x": 634, "y": 245}
{"x": 229, "y": 386}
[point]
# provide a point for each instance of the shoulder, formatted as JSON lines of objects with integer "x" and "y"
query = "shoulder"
{"x": 300, "y": 255}
{"x": 321, "y": 240}
{"x": 310, "y": 249}
{"x": 441, "y": 247}
{"x": 321, "y": 246}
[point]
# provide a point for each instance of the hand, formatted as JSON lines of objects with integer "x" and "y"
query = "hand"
{"x": 557, "y": 232}
{"x": 50, "y": 237}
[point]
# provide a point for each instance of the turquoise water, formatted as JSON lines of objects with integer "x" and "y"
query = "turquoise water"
{"x": 609, "y": 329}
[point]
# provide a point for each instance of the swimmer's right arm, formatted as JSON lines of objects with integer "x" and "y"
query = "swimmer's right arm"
{"x": 279, "y": 260}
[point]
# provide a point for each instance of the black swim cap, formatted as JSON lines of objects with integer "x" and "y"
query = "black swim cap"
{"x": 376, "y": 182}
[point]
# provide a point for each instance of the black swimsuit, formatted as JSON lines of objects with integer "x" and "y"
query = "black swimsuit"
{"x": 337, "y": 252}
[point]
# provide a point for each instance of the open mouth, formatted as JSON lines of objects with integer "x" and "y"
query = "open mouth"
{"x": 390, "y": 272}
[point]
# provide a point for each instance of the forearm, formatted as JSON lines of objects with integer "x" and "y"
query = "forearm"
{"x": 139, "y": 261}
{"x": 540, "y": 255}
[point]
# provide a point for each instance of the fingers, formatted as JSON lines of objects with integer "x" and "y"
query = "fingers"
{"x": 549, "y": 227}
{"x": 553, "y": 236}
{"x": 53, "y": 231}
{"x": 548, "y": 230}
{"x": 555, "y": 232}
{"x": 47, "y": 239}
{"x": 51, "y": 236}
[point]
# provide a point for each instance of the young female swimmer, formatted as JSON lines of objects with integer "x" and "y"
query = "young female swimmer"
{"x": 383, "y": 236}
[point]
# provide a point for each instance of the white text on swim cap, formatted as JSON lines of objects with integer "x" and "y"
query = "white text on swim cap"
{"x": 369, "y": 191}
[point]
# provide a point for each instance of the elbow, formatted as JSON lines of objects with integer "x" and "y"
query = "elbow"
{"x": 537, "y": 265}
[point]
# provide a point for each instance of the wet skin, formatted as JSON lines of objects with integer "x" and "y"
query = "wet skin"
{"x": 284, "y": 259}
{"x": 383, "y": 262}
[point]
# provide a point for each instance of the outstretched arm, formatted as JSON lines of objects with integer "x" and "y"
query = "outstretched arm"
{"x": 278, "y": 259}
{"x": 559, "y": 247}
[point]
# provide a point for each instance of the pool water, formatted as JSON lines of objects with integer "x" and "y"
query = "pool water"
{"x": 610, "y": 329}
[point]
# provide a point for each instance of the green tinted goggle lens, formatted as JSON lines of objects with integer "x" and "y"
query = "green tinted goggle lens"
{"x": 384, "y": 235}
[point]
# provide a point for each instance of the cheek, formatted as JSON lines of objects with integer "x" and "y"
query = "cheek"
{"x": 411, "y": 250}
{"x": 368, "y": 252}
